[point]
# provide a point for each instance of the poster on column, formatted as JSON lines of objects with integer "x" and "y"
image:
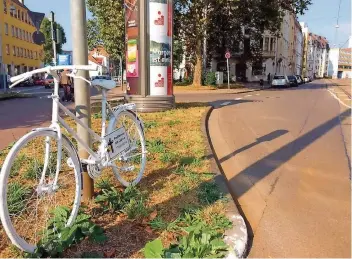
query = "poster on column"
{"x": 132, "y": 58}
{"x": 160, "y": 47}
{"x": 158, "y": 80}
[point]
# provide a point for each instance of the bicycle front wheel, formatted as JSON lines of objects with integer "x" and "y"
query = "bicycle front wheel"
{"x": 32, "y": 202}
{"x": 130, "y": 164}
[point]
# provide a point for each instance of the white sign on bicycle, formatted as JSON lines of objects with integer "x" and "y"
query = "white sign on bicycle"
{"x": 117, "y": 142}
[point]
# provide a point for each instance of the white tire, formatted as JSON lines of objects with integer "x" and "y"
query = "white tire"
{"x": 133, "y": 126}
{"x": 10, "y": 218}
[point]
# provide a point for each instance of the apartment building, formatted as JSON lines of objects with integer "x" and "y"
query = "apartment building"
{"x": 316, "y": 54}
{"x": 298, "y": 49}
{"x": 20, "y": 53}
{"x": 340, "y": 63}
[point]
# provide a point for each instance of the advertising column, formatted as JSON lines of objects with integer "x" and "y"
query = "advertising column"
{"x": 160, "y": 27}
{"x": 132, "y": 49}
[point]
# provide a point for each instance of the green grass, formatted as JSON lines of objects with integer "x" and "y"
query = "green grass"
{"x": 209, "y": 193}
{"x": 17, "y": 164}
{"x": 136, "y": 209}
{"x": 16, "y": 195}
{"x": 34, "y": 170}
{"x": 168, "y": 157}
{"x": 156, "y": 146}
{"x": 173, "y": 123}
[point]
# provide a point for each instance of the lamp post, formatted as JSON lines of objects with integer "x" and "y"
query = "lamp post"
{"x": 53, "y": 38}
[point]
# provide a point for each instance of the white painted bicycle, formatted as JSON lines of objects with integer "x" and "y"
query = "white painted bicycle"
{"x": 42, "y": 171}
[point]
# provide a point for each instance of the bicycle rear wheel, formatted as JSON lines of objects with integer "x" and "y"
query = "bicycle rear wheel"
{"x": 28, "y": 196}
{"x": 130, "y": 164}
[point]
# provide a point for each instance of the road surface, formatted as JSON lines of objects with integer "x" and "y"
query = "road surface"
{"x": 284, "y": 153}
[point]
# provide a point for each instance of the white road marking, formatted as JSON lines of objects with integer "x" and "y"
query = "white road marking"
{"x": 248, "y": 95}
{"x": 338, "y": 99}
{"x": 237, "y": 99}
{"x": 225, "y": 103}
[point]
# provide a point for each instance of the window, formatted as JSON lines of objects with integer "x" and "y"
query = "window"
{"x": 13, "y": 31}
{"x": 35, "y": 55}
{"x": 14, "y": 50}
{"x": 7, "y": 49}
{"x": 6, "y": 29}
{"x": 25, "y": 53}
{"x": 21, "y": 51}
{"x": 19, "y": 14}
{"x": 17, "y": 51}
{"x": 22, "y": 16}
{"x": 266, "y": 44}
{"x": 31, "y": 55}
{"x": 5, "y": 6}
{"x": 20, "y": 34}
{"x": 272, "y": 44}
{"x": 26, "y": 17}
{"x": 17, "y": 33}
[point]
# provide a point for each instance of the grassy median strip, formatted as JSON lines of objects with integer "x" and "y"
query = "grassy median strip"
{"x": 175, "y": 211}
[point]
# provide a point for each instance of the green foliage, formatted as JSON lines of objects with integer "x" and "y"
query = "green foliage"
{"x": 97, "y": 115}
{"x": 103, "y": 184}
{"x": 167, "y": 157}
{"x": 93, "y": 34}
{"x": 136, "y": 208}
{"x": 150, "y": 124}
{"x": 158, "y": 223}
{"x": 210, "y": 78}
{"x": 16, "y": 197}
{"x": 173, "y": 123}
{"x": 109, "y": 17}
{"x": 191, "y": 161}
{"x": 156, "y": 146}
{"x": 129, "y": 201}
{"x": 17, "y": 164}
{"x": 45, "y": 28}
{"x": 34, "y": 170}
{"x": 209, "y": 193}
{"x": 57, "y": 237}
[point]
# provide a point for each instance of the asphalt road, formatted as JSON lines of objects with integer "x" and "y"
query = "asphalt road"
{"x": 284, "y": 153}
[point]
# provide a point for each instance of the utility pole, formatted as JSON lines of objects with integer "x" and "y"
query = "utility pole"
{"x": 82, "y": 90}
{"x": 53, "y": 38}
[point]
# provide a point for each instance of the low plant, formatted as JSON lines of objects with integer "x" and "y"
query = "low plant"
{"x": 136, "y": 208}
{"x": 173, "y": 123}
{"x": 34, "y": 170}
{"x": 97, "y": 115}
{"x": 16, "y": 194}
{"x": 156, "y": 146}
{"x": 209, "y": 192}
{"x": 158, "y": 223}
{"x": 17, "y": 164}
{"x": 58, "y": 237}
{"x": 167, "y": 157}
{"x": 150, "y": 124}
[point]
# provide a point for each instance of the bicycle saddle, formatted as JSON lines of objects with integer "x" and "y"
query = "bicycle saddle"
{"x": 103, "y": 83}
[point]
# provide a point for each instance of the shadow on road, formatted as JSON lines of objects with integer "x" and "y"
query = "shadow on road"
{"x": 266, "y": 138}
{"x": 259, "y": 170}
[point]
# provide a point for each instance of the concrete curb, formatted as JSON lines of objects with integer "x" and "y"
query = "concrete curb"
{"x": 216, "y": 91}
{"x": 237, "y": 237}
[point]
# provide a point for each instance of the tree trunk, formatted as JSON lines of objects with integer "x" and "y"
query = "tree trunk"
{"x": 197, "y": 80}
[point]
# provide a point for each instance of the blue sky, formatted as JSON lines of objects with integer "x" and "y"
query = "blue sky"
{"x": 321, "y": 17}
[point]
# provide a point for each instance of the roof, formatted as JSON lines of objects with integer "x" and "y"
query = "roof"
{"x": 101, "y": 50}
{"x": 321, "y": 41}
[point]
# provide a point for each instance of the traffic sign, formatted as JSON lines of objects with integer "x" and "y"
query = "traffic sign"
{"x": 228, "y": 55}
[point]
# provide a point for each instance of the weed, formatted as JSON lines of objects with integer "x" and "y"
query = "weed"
{"x": 158, "y": 223}
{"x": 180, "y": 170}
{"x": 181, "y": 188}
{"x": 103, "y": 184}
{"x": 173, "y": 123}
{"x": 150, "y": 124}
{"x": 209, "y": 193}
{"x": 191, "y": 161}
{"x": 17, "y": 164}
{"x": 97, "y": 115}
{"x": 16, "y": 194}
{"x": 58, "y": 237}
{"x": 34, "y": 170}
{"x": 156, "y": 146}
{"x": 167, "y": 157}
{"x": 136, "y": 209}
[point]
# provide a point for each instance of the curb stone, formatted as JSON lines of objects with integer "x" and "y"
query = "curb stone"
{"x": 237, "y": 237}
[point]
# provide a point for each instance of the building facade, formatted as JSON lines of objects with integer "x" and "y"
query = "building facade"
{"x": 340, "y": 63}
{"x": 298, "y": 50}
{"x": 20, "y": 53}
{"x": 99, "y": 56}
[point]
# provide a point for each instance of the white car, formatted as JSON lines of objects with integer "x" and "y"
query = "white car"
{"x": 280, "y": 80}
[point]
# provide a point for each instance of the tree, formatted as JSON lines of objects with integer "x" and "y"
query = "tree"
{"x": 222, "y": 24}
{"x": 110, "y": 23}
{"x": 45, "y": 28}
{"x": 93, "y": 34}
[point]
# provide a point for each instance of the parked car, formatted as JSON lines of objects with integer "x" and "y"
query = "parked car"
{"x": 299, "y": 79}
{"x": 49, "y": 81}
{"x": 39, "y": 81}
{"x": 28, "y": 82}
{"x": 293, "y": 81}
{"x": 307, "y": 79}
{"x": 280, "y": 80}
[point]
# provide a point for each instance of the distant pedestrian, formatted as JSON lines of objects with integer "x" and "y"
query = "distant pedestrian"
{"x": 66, "y": 82}
{"x": 269, "y": 78}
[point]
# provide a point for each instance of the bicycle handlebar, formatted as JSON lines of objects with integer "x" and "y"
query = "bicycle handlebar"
{"x": 20, "y": 78}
